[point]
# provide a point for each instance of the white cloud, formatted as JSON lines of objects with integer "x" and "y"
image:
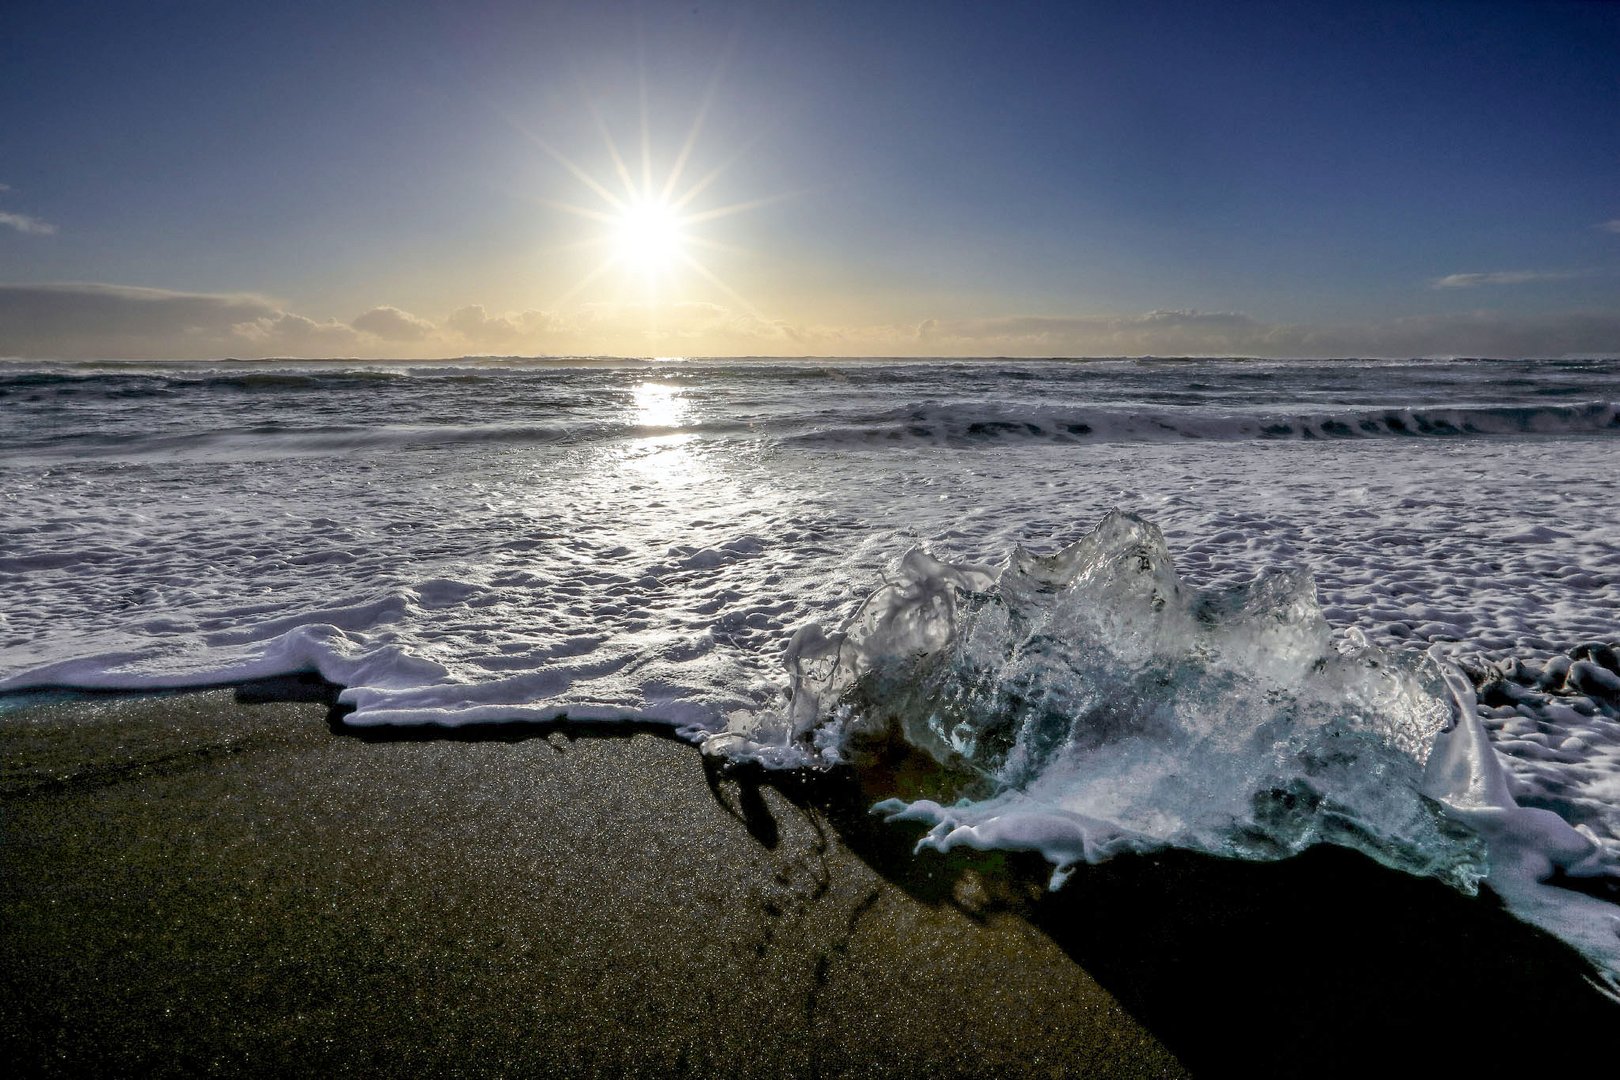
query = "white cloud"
{"x": 1612, "y": 225}
{"x": 286, "y": 334}
{"x": 1501, "y": 277}
{"x": 25, "y": 223}
{"x": 474, "y": 326}
{"x": 474, "y": 323}
{"x": 706, "y": 321}
{"x": 392, "y": 324}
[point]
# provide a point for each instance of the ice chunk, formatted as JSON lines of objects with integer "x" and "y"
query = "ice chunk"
{"x": 1106, "y": 705}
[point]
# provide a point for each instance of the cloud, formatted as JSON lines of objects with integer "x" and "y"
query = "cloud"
{"x": 623, "y": 329}
{"x": 1501, "y": 277}
{"x": 24, "y": 223}
{"x": 95, "y": 321}
{"x": 1187, "y": 333}
{"x": 474, "y": 326}
{"x": 1612, "y": 225}
{"x": 709, "y": 322}
{"x": 98, "y": 321}
{"x": 1155, "y": 332}
{"x": 473, "y": 321}
{"x": 1488, "y": 333}
{"x": 392, "y": 324}
{"x": 115, "y": 320}
{"x": 287, "y": 334}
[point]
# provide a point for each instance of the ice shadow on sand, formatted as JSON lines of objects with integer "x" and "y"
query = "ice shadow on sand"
{"x": 1323, "y": 964}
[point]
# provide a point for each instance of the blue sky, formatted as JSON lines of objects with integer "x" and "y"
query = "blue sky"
{"x": 385, "y": 179}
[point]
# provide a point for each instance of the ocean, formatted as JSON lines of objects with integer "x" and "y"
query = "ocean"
{"x": 1235, "y": 606}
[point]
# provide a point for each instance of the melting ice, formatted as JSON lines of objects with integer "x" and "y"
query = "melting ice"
{"x": 1112, "y": 707}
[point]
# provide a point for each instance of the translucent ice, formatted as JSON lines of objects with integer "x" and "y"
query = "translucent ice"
{"x": 1109, "y": 706}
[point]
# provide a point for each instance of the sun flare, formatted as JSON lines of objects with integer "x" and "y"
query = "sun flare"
{"x": 648, "y": 237}
{"x": 651, "y": 229}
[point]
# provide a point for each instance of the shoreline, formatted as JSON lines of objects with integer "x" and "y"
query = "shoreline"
{"x": 215, "y": 882}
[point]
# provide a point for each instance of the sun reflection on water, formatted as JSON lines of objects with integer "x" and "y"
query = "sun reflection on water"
{"x": 659, "y": 405}
{"x": 664, "y": 458}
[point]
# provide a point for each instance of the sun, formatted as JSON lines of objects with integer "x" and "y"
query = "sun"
{"x": 648, "y": 237}
{"x": 650, "y": 229}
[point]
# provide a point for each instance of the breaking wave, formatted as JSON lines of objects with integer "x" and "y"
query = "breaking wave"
{"x": 969, "y": 423}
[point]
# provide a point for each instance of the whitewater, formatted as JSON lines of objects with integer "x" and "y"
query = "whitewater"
{"x": 1236, "y": 606}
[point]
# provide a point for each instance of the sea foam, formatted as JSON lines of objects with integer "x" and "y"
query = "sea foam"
{"x": 493, "y": 542}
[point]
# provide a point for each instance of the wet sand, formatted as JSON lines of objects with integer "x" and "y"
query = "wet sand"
{"x": 210, "y": 883}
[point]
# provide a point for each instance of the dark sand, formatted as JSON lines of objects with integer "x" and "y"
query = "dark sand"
{"x": 193, "y": 884}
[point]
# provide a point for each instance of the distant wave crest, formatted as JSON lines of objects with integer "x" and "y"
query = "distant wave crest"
{"x": 968, "y": 423}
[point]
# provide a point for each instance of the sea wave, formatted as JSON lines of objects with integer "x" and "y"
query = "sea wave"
{"x": 277, "y": 440}
{"x": 951, "y": 424}
{"x": 968, "y": 423}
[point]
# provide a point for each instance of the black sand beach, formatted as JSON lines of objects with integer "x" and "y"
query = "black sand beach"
{"x": 211, "y": 883}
